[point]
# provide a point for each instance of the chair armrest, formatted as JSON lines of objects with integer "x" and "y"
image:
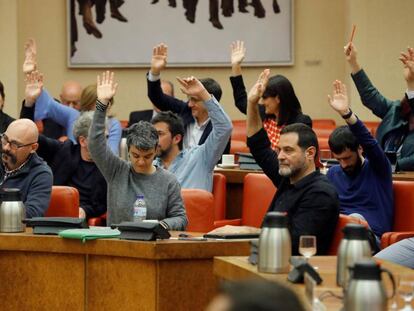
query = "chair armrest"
{"x": 389, "y": 238}
{"x": 224, "y": 222}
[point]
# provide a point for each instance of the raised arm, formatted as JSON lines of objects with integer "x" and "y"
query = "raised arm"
{"x": 377, "y": 158}
{"x": 407, "y": 58}
{"x": 238, "y": 52}
{"x": 155, "y": 93}
{"x": 107, "y": 162}
{"x": 30, "y": 53}
{"x": 254, "y": 123}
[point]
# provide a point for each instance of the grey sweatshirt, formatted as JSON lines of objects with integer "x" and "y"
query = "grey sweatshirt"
{"x": 161, "y": 189}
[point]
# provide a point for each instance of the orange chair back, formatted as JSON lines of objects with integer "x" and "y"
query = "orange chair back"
{"x": 323, "y": 124}
{"x": 372, "y": 126}
{"x": 64, "y": 202}
{"x": 258, "y": 192}
{"x": 219, "y": 194}
{"x": 239, "y": 130}
{"x": 403, "y": 205}
{"x": 343, "y": 220}
{"x": 199, "y": 205}
{"x": 124, "y": 123}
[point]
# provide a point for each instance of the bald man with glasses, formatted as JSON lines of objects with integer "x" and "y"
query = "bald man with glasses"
{"x": 22, "y": 168}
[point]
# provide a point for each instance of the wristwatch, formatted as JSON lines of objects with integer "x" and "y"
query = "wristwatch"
{"x": 348, "y": 115}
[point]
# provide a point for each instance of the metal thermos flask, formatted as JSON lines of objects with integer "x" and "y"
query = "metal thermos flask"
{"x": 12, "y": 211}
{"x": 366, "y": 291}
{"x": 274, "y": 244}
{"x": 353, "y": 247}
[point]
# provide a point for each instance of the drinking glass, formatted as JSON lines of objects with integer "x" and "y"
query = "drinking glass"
{"x": 406, "y": 291}
{"x": 307, "y": 246}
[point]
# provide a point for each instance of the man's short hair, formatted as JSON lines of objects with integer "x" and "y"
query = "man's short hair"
{"x": 306, "y": 136}
{"x": 260, "y": 295}
{"x": 341, "y": 139}
{"x": 212, "y": 87}
{"x": 174, "y": 122}
{"x": 2, "y": 90}
{"x": 82, "y": 124}
{"x": 142, "y": 135}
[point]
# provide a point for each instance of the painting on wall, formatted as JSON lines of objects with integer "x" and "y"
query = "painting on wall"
{"x": 122, "y": 33}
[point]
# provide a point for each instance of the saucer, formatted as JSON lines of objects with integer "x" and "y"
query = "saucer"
{"x": 227, "y": 165}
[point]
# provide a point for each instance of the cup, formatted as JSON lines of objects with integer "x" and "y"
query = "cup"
{"x": 227, "y": 159}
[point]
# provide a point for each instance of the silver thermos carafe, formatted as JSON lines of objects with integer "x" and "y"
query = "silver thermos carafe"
{"x": 353, "y": 247}
{"x": 366, "y": 291}
{"x": 12, "y": 211}
{"x": 274, "y": 244}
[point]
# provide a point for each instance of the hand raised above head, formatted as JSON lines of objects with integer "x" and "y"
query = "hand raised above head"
{"x": 106, "y": 87}
{"x": 30, "y": 51}
{"x": 407, "y": 58}
{"x": 159, "y": 58}
{"x": 238, "y": 52}
{"x": 34, "y": 86}
{"x": 256, "y": 92}
{"x": 339, "y": 100}
{"x": 191, "y": 86}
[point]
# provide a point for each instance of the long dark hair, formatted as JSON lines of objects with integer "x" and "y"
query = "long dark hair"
{"x": 289, "y": 107}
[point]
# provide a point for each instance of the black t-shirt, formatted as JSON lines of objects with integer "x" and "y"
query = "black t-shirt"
{"x": 83, "y": 180}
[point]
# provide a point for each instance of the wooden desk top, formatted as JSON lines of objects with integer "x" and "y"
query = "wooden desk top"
{"x": 161, "y": 249}
{"x": 408, "y": 176}
{"x": 235, "y": 175}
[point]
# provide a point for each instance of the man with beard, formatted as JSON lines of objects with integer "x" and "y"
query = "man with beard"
{"x": 364, "y": 184}
{"x": 22, "y": 168}
{"x": 310, "y": 201}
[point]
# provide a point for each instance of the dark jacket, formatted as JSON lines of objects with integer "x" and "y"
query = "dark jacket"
{"x": 140, "y": 115}
{"x": 35, "y": 181}
{"x": 240, "y": 100}
{"x": 169, "y": 103}
{"x": 311, "y": 204}
{"x": 5, "y": 120}
{"x": 390, "y": 113}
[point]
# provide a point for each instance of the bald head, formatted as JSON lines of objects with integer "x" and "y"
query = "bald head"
{"x": 25, "y": 131}
{"x": 71, "y": 94}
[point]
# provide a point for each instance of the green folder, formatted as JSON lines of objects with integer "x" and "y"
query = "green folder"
{"x": 90, "y": 234}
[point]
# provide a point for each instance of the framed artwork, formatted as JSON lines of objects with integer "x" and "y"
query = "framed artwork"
{"x": 122, "y": 33}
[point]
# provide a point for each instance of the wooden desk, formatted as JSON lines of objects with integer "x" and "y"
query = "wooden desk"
{"x": 51, "y": 273}
{"x": 238, "y": 268}
{"x": 234, "y": 199}
{"x": 408, "y": 176}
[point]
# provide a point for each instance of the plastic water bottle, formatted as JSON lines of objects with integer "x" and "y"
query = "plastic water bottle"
{"x": 140, "y": 209}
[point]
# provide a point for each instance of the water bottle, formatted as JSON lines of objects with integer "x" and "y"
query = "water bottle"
{"x": 140, "y": 209}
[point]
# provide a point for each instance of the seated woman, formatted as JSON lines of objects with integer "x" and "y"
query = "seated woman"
{"x": 395, "y": 133}
{"x": 139, "y": 176}
{"x": 280, "y": 105}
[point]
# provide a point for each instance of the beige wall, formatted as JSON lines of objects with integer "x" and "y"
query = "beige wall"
{"x": 321, "y": 29}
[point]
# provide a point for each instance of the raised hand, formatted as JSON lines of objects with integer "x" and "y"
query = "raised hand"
{"x": 106, "y": 87}
{"x": 339, "y": 100}
{"x": 351, "y": 52}
{"x": 408, "y": 60}
{"x": 34, "y": 86}
{"x": 192, "y": 87}
{"x": 159, "y": 58}
{"x": 259, "y": 87}
{"x": 30, "y": 52}
{"x": 238, "y": 51}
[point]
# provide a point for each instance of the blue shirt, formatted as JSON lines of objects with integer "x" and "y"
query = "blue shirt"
{"x": 194, "y": 166}
{"x": 48, "y": 107}
{"x": 370, "y": 193}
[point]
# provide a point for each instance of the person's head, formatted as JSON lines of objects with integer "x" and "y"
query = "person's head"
{"x": 346, "y": 149}
{"x": 298, "y": 148}
{"x": 257, "y": 295}
{"x": 198, "y": 109}
{"x": 18, "y": 143}
{"x": 2, "y": 96}
{"x": 81, "y": 131}
{"x": 70, "y": 94}
{"x": 142, "y": 142}
{"x": 170, "y": 129}
{"x": 279, "y": 99}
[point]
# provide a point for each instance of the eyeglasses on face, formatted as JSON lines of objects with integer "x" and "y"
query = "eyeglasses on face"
{"x": 14, "y": 145}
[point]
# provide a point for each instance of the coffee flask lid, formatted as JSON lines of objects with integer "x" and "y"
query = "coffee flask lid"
{"x": 355, "y": 232}
{"x": 10, "y": 194}
{"x": 275, "y": 220}
{"x": 366, "y": 269}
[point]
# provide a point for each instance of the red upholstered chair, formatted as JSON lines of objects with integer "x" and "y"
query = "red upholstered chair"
{"x": 372, "y": 126}
{"x": 258, "y": 192}
{"x": 238, "y": 146}
{"x": 239, "y": 130}
{"x": 343, "y": 220}
{"x": 64, "y": 202}
{"x": 403, "y": 213}
{"x": 199, "y": 205}
{"x": 124, "y": 123}
{"x": 97, "y": 221}
{"x": 219, "y": 194}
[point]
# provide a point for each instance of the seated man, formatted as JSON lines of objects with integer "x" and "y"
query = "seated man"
{"x": 22, "y": 168}
{"x": 126, "y": 180}
{"x": 5, "y": 119}
{"x": 193, "y": 166}
{"x": 197, "y": 123}
{"x": 310, "y": 201}
{"x": 364, "y": 184}
{"x": 146, "y": 115}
